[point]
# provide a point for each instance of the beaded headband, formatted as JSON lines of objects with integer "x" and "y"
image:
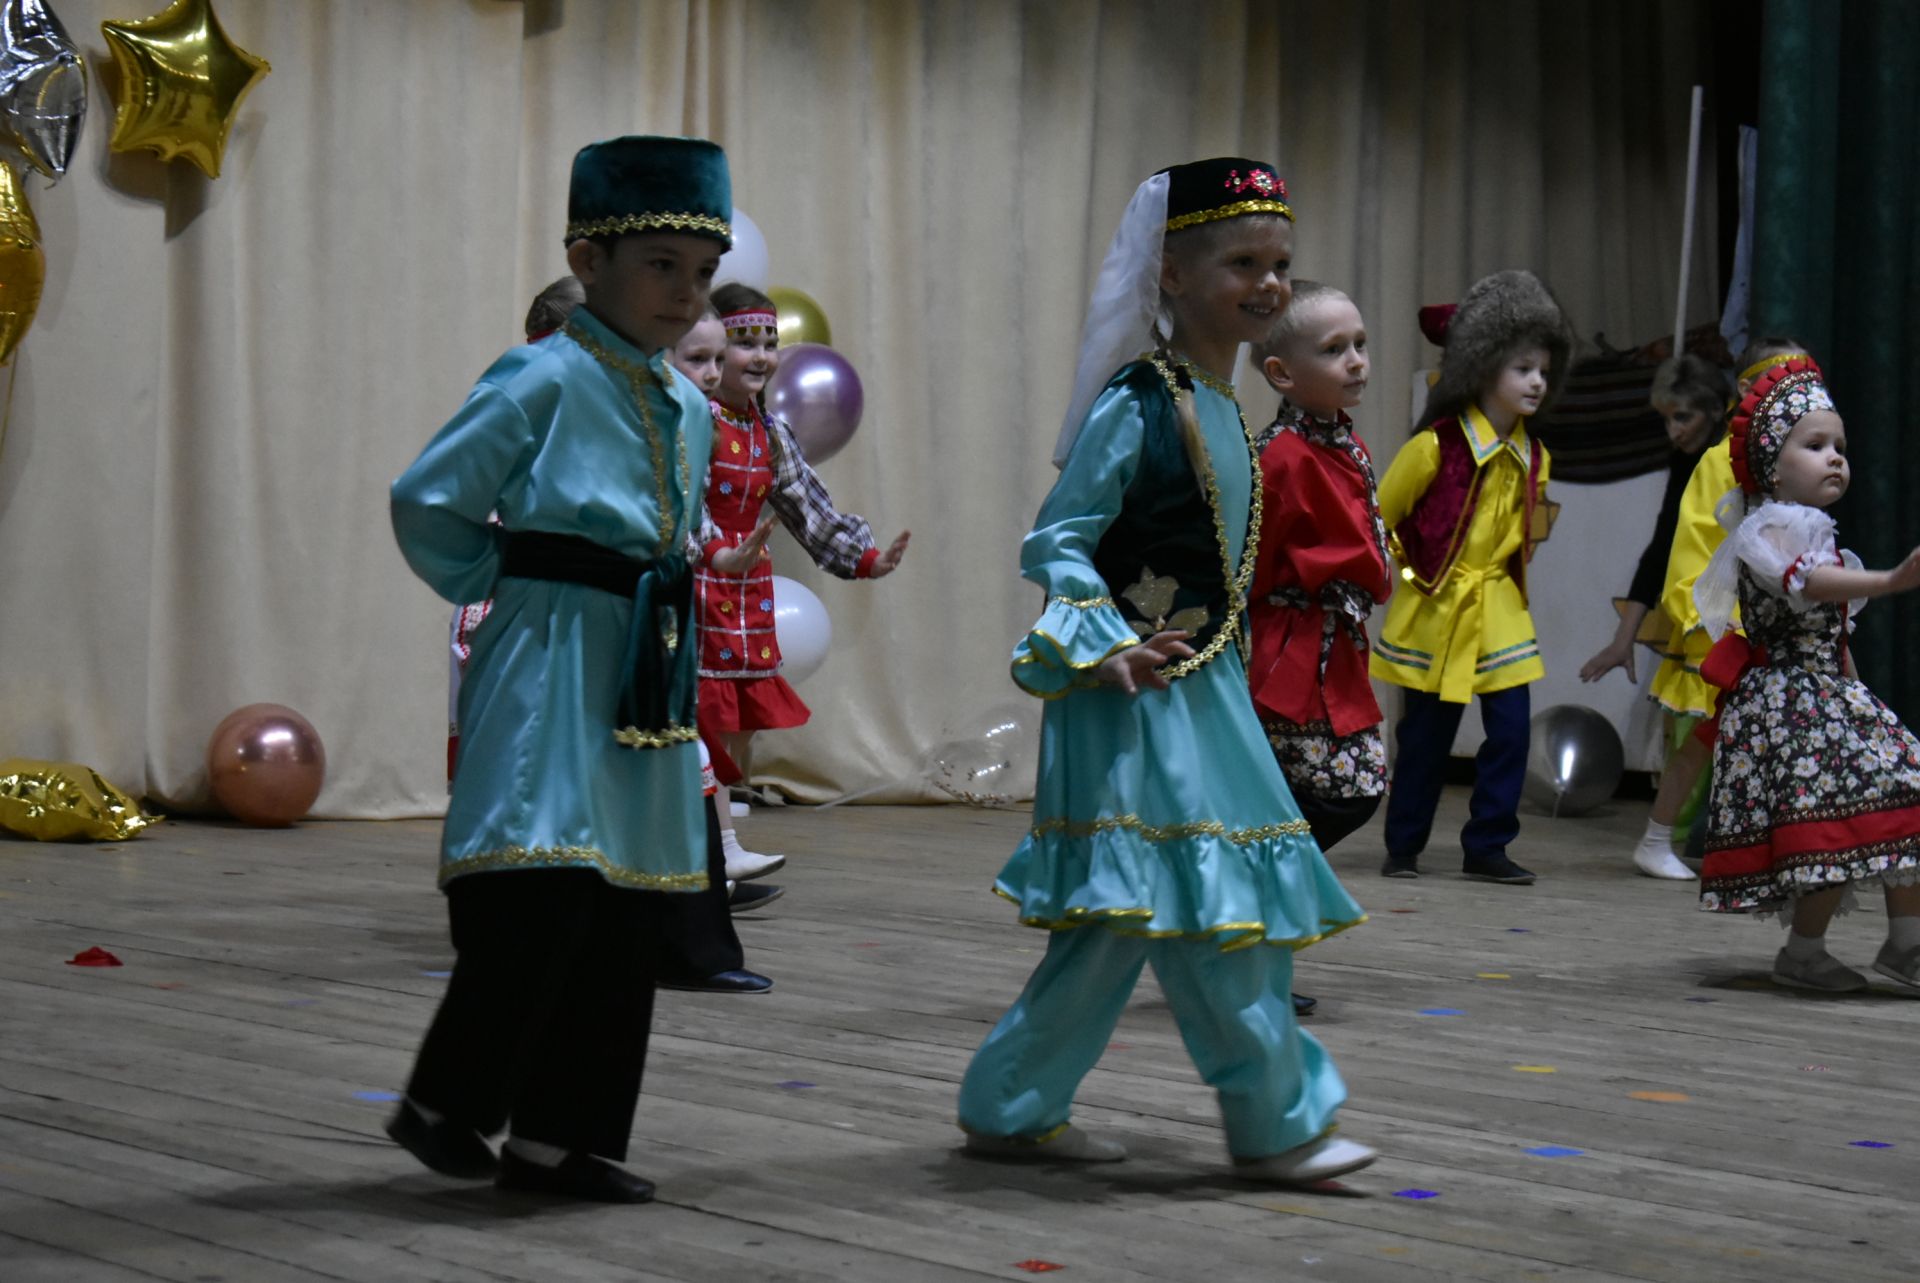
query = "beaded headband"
{"x": 1783, "y": 395}
{"x": 752, "y": 320}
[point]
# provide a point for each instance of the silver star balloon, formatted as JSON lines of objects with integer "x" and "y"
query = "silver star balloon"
{"x": 43, "y": 85}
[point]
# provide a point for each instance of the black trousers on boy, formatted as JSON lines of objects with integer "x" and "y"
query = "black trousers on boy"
{"x": 697, "y": 939}
{"x": 1334, "y": 818}
{"x": 545, "y": 1019}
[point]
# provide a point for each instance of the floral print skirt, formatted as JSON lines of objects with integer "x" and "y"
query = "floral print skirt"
{"x": 1816, "y": 784}
{"x": 1318, "y": 763}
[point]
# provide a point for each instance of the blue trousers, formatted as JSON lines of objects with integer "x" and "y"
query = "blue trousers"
{"x": 1277, "y": 1086}
{"x": 1424, "y": 739}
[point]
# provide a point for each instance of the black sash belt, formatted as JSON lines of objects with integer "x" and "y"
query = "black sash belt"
{"x": 661, "y": 664}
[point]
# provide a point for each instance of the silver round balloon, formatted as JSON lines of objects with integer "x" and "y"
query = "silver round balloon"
{"x": 43, "y": 86}
{"x": 1574, "y": 760}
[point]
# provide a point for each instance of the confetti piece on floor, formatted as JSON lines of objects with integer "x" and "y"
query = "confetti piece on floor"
{"x": 794, "y": 1084}
{"x": 1290, "y": 1209}
{"x": 436, "y": 975}
{"x": 1520, "y": 931}
{"x": 1555, "y": 1151}
{"x": 376, "y": 1095}
{"x": 1491, "y": 975}
{"x": 94, "y": 957}
{"x": 1535, "y": 1069}
{"x": 1703, "y": 1000}
{"x": 1663, "y": 1097}
{"x": 1871, "y": 1144}
{"x": 1416, "y": 1193}
{"x": 171, "y": 984}
{"x": 868, "y": 944}
{"x": 1441, "y": 1011}
{"x": 1038, "y": 1266}
{"x": 1403, "y": 910}
{"x": 1119, "y": 1046}
{"x": 1813, "y": 1069}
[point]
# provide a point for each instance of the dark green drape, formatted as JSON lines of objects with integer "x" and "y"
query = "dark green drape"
{"x": 1836, "y": 245}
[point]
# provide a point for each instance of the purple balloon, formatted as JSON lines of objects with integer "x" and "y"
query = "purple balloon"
{"x": 816, "y": 391}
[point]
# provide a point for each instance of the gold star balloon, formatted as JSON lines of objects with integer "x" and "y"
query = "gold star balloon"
{"x": 23, "y": 267}
{"x": 182, "y": 80}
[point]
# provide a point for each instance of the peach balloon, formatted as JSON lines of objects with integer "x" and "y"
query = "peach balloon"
{"x": 266, "y": 763}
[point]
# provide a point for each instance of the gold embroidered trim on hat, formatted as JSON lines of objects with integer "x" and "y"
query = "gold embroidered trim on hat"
{"x": 550, "y": 857}
{"x": 634, "y": 737}
{"x": 1234, "y": 210}
{"x": 617, "y": 224}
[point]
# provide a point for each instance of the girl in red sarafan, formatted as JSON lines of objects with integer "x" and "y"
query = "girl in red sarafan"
{"x": 757, "y": 466}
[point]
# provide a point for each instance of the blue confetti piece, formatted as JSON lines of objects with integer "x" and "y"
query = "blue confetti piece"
{"x": 1871, "y": 1144}
{"x": 1441, "y": 1011}
{"x": 1521, "y": 931}
{"x": 795, "y": 1084}
{"x": 436, "y": 975}
{"x": 376, "y": 1095}
{"x": 1555, "y": 1151}
{"x": 1416, "y": 1193}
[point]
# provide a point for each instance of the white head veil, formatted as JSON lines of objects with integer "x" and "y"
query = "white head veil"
{"x": 1124, "y": 308}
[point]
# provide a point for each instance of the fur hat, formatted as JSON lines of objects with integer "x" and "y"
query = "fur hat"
{"x": 1500, "y": 314}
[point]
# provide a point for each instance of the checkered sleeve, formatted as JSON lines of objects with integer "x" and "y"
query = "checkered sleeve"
{"x": 839, "y": 543}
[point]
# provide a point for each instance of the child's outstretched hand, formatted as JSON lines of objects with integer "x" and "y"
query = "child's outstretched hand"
{"x": 889, "y": 561}
{"x": 1616, "y": 654}
{"x": 1905, "y": 577}
{"x": 1138, "y": 666}
{"x": 746, "y": 554}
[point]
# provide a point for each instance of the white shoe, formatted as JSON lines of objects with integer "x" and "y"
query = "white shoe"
{"x": 1307, "y": 1164}
{"x": 1069, "y": 1145}
{"x": 1657, "y": 860}
{"x": 744, "y": 865}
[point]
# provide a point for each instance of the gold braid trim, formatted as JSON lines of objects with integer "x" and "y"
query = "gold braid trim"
{"x": 1170, "y": 832}
{"x": 1234, "y": 210}
{"x": 634, "y": 737}
{"x": 1116, "y": 921}
{"x": 1236, "y": 582}
{"x": 638, "y": 376}
{"x": 549, "y": 857}
{"x": 1082, "y": 603}
{"x": 616, "y": 224}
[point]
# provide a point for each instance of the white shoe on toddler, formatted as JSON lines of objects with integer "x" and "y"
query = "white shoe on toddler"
{"x": 1307, "y": 1164}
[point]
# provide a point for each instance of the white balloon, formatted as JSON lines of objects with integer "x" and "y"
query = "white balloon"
{"x": 801, "y": 627}
{"x": 746, "y": 262}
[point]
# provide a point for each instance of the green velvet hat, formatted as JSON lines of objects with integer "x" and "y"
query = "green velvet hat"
{"x": 645, "y": 184}
{"x": 1204, "y": 191}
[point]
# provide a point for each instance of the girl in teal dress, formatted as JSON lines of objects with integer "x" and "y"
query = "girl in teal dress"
{"x": 1163, "y": 832}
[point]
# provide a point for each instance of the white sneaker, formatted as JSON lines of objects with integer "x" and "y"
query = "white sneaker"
{"x": 1655, "y": 858}
{"x": 1307, "y": 1164}
{"x": 1070, "y": 1145}
{"x": 744, "y": 865}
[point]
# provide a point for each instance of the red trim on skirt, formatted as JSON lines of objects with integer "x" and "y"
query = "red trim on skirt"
{"x": 1813, "y": 837}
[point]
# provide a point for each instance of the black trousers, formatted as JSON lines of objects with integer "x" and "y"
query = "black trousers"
{"x": 546, "y": 1016}
{"x": 697, "y": 938}
{"x": 1334, "y": 818}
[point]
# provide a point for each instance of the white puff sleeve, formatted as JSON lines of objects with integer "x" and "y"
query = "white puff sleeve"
{"x": 1781, "y": 543}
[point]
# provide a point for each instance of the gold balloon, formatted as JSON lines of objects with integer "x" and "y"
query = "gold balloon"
{"x": 64, "y": 802}
{"x": 23, "y": 267}
{"x": 801, "y": 319}
{"x": 181, "y": 83}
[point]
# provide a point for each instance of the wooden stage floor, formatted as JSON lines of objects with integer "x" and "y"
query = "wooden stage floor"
{"x": 211, "y": 1110}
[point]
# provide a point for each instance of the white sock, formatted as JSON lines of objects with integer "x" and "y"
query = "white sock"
{"x": 730, "y": 843}
{"x": 431, "y": 1115}
{"x": 536, "y": 1151}
{"x": 1903, "y": 931}
{"x": 1658, "y": 835}
{"x": 1804, "y": 948}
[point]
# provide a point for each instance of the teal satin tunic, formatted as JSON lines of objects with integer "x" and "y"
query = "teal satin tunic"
{"x": 1164, "y": 813}
{"x": 578, "y": 434}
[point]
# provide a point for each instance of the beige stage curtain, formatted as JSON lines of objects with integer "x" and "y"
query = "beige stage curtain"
{"x": 225, "y": 375}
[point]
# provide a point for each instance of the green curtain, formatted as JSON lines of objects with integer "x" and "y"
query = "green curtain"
{"x": 1836, "y": 243}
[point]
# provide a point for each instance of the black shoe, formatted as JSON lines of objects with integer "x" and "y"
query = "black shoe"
{"x": 447, "y": 1147}
{"x": 576, "y": 1176}
{"x": 1495, "y": 868}
{"x": 1398, "y": 868}
{"x": 1303, "y": 1005}
{"x": 723, "y": 982}
{"x": 748, "y": 896}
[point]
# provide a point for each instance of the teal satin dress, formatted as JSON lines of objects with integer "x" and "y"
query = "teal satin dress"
{"x": 578, "y": 434}
{"x": 1161, "y": 814}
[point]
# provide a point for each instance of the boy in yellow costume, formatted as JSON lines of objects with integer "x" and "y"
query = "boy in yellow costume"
{"x": 1465, "y": 501}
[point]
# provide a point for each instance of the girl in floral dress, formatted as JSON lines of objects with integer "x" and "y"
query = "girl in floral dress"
{"x": 1816, "y": 784}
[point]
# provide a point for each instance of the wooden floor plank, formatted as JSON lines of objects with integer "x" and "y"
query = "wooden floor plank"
{"x": 204, "y": 1110}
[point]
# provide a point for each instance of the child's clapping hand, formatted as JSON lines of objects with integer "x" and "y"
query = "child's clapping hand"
{"x": 1138, "y": 666}
{"x": 889, "y": 561}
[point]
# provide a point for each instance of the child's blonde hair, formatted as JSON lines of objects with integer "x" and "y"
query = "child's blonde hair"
{"x": 1289, "y": 324}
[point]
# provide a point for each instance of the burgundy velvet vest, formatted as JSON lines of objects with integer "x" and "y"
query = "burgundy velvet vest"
{"x": 1431, "y": 536}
